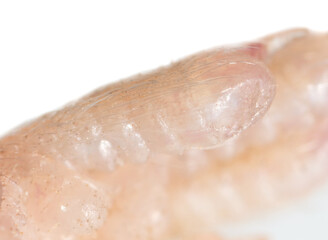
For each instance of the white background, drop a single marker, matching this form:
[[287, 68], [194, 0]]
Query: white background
[[52, 52]]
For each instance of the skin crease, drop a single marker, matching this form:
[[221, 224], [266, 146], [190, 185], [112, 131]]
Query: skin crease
[[215, 138]]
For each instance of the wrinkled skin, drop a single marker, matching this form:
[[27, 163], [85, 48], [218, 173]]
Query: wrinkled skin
[[215, 138]]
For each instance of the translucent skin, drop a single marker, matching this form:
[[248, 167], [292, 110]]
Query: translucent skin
[[176, 152]]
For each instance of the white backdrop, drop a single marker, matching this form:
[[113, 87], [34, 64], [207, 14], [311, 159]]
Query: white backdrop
[[52, 52]]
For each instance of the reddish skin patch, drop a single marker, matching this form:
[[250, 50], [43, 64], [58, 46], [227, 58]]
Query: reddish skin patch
[[257, 50]]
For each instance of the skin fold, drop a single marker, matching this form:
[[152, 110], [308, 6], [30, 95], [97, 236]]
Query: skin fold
[[216, 138]]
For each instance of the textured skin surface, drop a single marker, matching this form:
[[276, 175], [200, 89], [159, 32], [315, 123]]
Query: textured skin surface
[[171, 154]]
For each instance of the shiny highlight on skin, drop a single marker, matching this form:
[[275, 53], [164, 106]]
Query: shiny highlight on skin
[[171, 154]]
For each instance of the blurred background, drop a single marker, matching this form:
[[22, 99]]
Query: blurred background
[[52, 52]]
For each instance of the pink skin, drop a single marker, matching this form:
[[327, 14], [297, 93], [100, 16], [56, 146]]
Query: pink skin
[[173, 153]]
